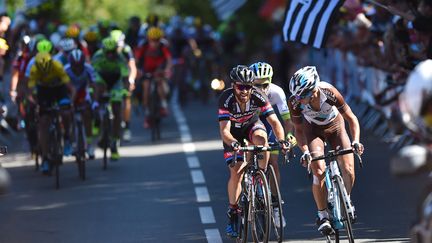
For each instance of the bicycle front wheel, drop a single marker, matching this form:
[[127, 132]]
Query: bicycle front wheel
[[276, 203], [106, 137], [80, 153], [243, 224], [346, 219], [260, 214]]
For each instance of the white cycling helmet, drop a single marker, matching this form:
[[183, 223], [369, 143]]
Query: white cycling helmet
[[304, 80], [262, 70], [416, 98], [67, 44], [242, 74]]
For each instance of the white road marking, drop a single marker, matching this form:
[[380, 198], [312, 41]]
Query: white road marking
[[213, 236], [197, 177], [207, 216], [193, 162], [202, 194], [189, 148]]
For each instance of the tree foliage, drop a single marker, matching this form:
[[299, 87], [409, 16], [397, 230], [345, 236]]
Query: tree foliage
[[88, 12]]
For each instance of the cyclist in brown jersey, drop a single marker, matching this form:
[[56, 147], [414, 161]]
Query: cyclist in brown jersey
[[319, 112]]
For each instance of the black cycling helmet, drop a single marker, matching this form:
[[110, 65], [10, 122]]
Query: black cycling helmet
[[242, 74]]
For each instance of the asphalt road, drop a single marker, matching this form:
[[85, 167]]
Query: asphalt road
[[175, 191]]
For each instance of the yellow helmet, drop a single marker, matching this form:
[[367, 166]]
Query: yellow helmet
[[43, 61], [154, 33], [72, 32], [91, 36]]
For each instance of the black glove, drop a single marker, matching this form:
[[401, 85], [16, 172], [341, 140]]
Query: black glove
[[235, 145]]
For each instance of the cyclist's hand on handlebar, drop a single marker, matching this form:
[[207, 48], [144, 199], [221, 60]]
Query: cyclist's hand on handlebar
[[235, 145], [291, 139], [305, 159], [284, 146], [358, 147]]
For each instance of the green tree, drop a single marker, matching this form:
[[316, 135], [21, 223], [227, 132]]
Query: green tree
[[88, 12]]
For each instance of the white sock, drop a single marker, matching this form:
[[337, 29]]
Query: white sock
[[323, 214]]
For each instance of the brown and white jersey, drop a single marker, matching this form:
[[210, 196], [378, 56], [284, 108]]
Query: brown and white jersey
[[331, 103]]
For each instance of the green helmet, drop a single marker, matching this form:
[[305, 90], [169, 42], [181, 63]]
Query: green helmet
[[44, 46], [117, 35], [109, 44]]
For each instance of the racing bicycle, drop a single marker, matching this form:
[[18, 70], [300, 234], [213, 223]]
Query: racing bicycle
[[342, 212]]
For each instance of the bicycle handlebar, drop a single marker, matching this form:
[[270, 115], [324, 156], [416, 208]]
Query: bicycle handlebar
[[261, 148], [334, 153]]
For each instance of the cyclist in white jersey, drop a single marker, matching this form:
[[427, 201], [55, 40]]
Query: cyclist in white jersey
[[263, 80], [319, 113]]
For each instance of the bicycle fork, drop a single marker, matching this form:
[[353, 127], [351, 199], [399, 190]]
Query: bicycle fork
[[333, 197]]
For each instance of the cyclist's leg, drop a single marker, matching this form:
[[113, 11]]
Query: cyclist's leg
[[116, 105], [117, 110], [44, 99], [163, 92], [338, 136], [67, 117], [257, 135], [127, 114], [146, 90], [274, 155], [44, 120], [316, 147], [315, 142], [234, 185]]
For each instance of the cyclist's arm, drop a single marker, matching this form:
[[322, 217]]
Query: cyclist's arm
[[224, 129], [297, 121], [300, 137], [276, 126], [353, 123], [348, 115], [14, 82], [31, 84], [278, 95], [168, 58], [132, 65]]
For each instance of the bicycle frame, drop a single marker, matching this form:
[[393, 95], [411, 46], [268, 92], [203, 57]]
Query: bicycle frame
[[107, 117], [80, 140], [331, 174], [248, 197], [336, 199]]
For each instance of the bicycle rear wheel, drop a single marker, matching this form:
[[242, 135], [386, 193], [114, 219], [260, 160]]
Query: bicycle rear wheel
[[154, 111], [277, 203], [261, 213], [106, 126], [346, 219], [80, 153], [56, 153]]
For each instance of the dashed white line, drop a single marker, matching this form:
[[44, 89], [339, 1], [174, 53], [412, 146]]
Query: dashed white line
[[193, 162], [197, 177], [213, 236], [202, 194], [207, 216]]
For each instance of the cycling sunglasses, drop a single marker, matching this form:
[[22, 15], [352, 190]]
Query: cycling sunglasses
[[304, 95], [262, 86], [242, 87]]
